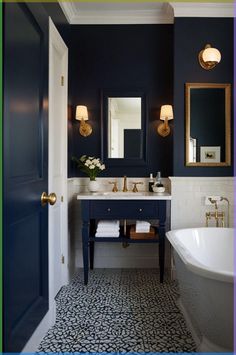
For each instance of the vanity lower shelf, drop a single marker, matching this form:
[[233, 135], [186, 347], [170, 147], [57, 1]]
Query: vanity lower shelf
[[126, 238], [123, 239]]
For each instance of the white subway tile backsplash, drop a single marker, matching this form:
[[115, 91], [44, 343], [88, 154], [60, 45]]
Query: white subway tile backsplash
[[188, 199], [187, 210]]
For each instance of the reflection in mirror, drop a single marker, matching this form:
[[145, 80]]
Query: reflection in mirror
[[207, 124], [124, 127]]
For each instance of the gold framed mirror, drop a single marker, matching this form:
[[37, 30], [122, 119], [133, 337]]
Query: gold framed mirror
[[208, 121]]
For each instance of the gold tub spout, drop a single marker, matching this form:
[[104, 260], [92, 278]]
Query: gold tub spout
[[218, 216]]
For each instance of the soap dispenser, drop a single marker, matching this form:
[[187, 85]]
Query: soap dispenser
[[158, 187], [150, 183], [158, 180]]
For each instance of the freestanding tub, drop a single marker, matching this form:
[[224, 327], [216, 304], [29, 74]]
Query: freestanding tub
[[205, 271]]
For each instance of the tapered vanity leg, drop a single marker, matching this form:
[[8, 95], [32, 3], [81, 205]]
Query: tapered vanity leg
[[161, 230], [91, 254], [162, 256], [91, 244], [85, 238]]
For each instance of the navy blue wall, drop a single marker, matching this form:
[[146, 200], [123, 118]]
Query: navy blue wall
[[54, 10], [122, 57], [190, 36]]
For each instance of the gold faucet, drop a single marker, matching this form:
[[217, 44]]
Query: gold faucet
[[218, 215], [135, 189], [115, 188], [125, 189]]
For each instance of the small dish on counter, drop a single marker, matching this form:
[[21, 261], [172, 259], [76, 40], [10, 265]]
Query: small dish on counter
[[158, 189]]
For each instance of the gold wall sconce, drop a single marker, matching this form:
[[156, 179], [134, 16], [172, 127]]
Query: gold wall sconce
[[209, 57], [81, 115], [166, 114]]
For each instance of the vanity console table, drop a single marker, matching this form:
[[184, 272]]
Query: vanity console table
[[145, 207]]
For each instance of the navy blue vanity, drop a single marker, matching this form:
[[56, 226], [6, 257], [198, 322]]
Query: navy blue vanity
[[115, 207]]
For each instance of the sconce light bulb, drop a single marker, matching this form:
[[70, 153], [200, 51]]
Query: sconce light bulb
[[81, 115], [209, 57]]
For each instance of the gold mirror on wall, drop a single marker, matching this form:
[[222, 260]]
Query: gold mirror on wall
[[208, 117]]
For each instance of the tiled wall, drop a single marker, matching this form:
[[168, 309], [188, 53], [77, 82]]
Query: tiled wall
[[188, 207], [107, 255], [187, 210], [188, 199]]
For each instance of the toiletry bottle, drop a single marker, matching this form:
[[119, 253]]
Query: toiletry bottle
[[158, 180], [150, 183]]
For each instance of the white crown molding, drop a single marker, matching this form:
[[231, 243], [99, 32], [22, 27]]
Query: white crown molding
[[74, 15], [124, 17], [198, 9], [161, 15], [68, 10]]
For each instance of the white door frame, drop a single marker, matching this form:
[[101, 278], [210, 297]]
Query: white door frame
[[56, 41], [49, 319]]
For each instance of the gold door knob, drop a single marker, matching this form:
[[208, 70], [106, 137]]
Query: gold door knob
[[51, 199]]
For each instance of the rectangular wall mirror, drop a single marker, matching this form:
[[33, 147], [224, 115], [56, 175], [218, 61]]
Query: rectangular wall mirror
[[208, 120], [124, 128]]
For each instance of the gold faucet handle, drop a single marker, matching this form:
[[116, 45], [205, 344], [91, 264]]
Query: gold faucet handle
[[135, 189], [214, 202], [114, 183]]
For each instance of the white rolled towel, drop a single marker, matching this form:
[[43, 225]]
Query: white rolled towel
[[143, 223], [142, 227], [108, 230], [108, 224], [107, 235]]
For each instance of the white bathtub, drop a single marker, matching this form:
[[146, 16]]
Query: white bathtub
[[205, 271]]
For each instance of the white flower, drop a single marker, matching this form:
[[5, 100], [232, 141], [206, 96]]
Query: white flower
[[91, 158], [98, 165], [88, 162], [91, 166], [102, 167], [94, 161]]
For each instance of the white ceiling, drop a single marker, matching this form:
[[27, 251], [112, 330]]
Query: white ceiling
[[141, 12]]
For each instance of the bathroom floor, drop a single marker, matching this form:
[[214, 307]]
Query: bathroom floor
[[121, 310]]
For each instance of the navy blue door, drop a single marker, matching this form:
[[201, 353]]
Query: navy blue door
[[25, 171]]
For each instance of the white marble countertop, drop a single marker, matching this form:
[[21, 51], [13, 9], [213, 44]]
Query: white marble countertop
[[123, 196]]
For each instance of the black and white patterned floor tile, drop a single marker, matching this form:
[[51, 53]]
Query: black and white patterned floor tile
[[121, 310]]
